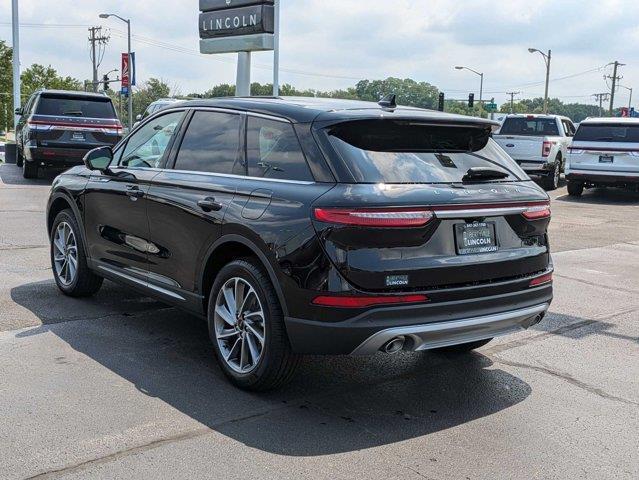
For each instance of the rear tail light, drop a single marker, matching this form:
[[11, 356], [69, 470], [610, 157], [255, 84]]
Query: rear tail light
[[535, 282], [366, 301], [546, 148], [535, 212], [384, 218]]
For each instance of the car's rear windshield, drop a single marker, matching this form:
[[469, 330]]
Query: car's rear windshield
[[385, 151], [593, 132], [75, 107], [534, 127]]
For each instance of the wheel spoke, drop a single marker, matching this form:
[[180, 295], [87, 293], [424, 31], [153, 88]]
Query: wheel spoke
[[254, 351], [72, 267], [59, 244], [230, 300], [243, 353], [228, 334], [246, 298], [256, 334], [223, 312], [232, 349]]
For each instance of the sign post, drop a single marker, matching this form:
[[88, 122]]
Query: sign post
[[242, 26]]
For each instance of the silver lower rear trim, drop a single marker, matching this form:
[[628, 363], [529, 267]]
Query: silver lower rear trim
[[455, 332]]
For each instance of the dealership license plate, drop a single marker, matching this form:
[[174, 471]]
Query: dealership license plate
[[478, 237], [606, 159], [78, 136]]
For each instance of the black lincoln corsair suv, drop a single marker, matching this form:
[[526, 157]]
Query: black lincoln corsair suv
[[58, 127], [306, 226]]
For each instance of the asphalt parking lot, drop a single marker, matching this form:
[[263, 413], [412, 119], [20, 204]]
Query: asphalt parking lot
[[121, 386]]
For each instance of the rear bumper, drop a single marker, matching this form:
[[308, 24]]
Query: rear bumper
[[56, 157], [425, 326], [443, 334], [603, 178], [536, 167]]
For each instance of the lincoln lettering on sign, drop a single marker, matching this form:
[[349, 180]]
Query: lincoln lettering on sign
[[237, 21]]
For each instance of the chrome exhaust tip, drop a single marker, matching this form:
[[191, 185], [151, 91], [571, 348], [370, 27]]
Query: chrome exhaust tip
[[394, 345]]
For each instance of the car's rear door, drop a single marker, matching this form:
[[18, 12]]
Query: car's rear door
[[115, 202], [187, 203]]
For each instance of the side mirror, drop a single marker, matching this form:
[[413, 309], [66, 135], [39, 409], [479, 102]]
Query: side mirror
[[99, 159], [19, 111], [138, 117]]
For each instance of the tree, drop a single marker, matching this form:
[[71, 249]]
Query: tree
[[575, 111], [39, 76], [6, 86], [408, 91]]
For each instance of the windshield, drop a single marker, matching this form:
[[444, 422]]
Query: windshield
[[529, 126], [76, 107], [607, 133], [419, 154]]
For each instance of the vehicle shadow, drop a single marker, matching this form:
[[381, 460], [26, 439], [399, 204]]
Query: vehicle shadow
[[11, 174], [333, 405], [603, 196]]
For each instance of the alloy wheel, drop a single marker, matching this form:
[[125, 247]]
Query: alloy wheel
[[239, 325], [65, 253]]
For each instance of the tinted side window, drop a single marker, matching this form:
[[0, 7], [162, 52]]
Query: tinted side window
[[211, 144], [146, 147], [273, 151]]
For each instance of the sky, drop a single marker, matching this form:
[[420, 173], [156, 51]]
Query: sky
[[330, 44]]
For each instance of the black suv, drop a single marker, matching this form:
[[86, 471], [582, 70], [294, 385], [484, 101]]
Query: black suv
[[308, 226], [57, 128]]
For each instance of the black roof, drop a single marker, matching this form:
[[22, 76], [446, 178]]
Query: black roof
[[308, 109], [73, 93]]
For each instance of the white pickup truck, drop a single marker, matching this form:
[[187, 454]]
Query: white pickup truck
[[538, 143]]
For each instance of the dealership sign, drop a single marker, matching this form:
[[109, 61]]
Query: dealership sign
[[236, 25]]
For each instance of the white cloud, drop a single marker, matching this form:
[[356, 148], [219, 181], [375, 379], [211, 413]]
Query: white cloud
[[330, 39]]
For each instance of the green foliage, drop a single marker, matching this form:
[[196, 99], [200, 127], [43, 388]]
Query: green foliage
[[39, 76], [408, 91], [575, 111], [6, 87]]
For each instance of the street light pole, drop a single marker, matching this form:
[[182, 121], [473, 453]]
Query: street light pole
[[16, 60], [276, 51], [128, 27], [481, 82], [630, 98], [547, 58]]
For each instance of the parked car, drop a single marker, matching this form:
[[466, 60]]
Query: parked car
[[2, 151], [57, 127], [156, 107], [538, 143], [310, 226], [604, 153]]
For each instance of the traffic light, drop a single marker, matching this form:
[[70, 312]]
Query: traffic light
[[105, 80], [471, 100], [441, 102]]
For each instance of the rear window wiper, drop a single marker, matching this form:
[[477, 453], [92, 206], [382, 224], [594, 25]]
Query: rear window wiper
[[484, 173]]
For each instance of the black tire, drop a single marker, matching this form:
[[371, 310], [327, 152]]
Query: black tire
[[575, 189], [277, 363], [29, 169], [551, 181], [85, 283], [19, 157], [464, 347]]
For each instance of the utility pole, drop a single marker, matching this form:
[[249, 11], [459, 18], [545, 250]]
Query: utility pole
[[512, 100], [615, 78], [98, 42], [601, 97]]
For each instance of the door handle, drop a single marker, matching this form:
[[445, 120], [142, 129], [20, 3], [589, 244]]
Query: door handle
[[209, 205], [134, 192]]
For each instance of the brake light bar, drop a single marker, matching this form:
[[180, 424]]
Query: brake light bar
[[542, 280], [546, 148], [368, 217], [366, 301], [536, 212]]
